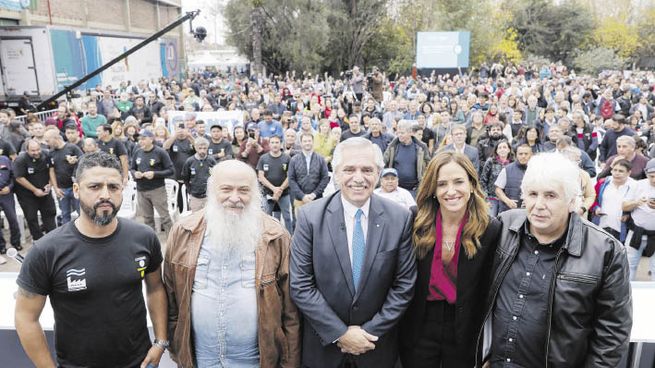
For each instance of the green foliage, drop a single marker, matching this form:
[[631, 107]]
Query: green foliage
[[294, 33], [552, 31], [598, 59], [645, 51], [616, 34]]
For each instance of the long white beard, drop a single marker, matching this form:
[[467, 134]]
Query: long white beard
[[235, 233]]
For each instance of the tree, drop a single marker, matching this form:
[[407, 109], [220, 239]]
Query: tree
[[617, 35], [598, 59], [294, 33], [552, 31], [645, 53]]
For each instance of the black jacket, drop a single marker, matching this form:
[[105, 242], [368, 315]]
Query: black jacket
[[590, 307], [473, 281]]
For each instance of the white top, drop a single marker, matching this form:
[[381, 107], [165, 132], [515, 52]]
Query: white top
[[349, 212], [643, 216], [612, 204], [501, 180], [401, 196]]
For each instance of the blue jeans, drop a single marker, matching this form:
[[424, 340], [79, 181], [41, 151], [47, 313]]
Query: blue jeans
[[493, 206], [67, 204], [634, 256], [285, 208]]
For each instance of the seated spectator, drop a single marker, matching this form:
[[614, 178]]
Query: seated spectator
[[389, 189]]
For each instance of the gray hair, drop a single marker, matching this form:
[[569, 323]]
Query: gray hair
[[405, 125], [361, 144], [217, 171], [200, 141], [627, 139], [555, 168]]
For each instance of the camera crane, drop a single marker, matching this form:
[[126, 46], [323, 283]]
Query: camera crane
[[199, 34]]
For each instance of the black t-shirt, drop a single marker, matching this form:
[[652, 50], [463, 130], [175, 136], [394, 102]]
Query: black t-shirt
[[427, 135], [179, 152], [36, 171], [348, 134], [215, 148], [6, 149], [155, 160], [195, 174], [113, 147], [95, 287], [275, 170], [63, 170]]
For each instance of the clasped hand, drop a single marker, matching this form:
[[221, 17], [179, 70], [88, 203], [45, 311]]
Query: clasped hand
[[356, 341]]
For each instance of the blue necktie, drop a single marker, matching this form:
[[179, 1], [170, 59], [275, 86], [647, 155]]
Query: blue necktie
[[359, 248]]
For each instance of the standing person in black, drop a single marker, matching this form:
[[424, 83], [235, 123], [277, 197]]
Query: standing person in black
[[63, 162], [93, 271], [219, 147], [454, 241], [108, 144], [195, 174], [272, 172], [8, 205], [150, 167], [32, 171], [180, 148], [6, 149]]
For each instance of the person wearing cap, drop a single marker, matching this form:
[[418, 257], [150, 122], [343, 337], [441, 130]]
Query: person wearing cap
[[219, 147], [389, 189], [640, 239], [180, 147], [150, 165]]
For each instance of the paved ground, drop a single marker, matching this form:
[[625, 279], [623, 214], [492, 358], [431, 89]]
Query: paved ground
[[12, 266]]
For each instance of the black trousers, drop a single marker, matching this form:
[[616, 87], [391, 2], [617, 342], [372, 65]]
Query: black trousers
[[8, 206], [31, 206], [436, 346]]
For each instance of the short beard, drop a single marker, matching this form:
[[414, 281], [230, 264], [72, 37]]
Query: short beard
[[100, 220], [232, 232]]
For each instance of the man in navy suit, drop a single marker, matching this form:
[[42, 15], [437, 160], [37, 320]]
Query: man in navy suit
[[458, 144], [352, 266]]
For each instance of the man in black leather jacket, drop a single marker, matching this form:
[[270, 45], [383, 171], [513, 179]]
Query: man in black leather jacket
[[560, 295]]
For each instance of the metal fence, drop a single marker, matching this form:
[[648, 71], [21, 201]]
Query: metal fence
[[42, 115]]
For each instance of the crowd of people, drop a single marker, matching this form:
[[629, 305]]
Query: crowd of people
[[490, 185]]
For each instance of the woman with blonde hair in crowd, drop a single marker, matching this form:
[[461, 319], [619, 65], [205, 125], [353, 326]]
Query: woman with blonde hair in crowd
[[161, 134], [454, 240], [323, 142]]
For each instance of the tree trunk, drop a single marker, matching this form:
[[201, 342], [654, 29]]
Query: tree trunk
[[256, 21]]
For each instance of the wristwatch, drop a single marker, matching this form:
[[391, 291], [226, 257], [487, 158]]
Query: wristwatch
[[164, 344]]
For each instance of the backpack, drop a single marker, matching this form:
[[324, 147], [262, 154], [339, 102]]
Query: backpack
[[606, 109]]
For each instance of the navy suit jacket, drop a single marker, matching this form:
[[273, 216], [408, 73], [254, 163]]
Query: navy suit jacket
[[322, 283]]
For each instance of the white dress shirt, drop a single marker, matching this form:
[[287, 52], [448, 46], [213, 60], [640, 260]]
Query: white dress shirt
[[349, 211]]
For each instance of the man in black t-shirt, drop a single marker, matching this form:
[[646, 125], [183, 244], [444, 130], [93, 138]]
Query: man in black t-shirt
[[92, 269], [219, 147], [272, 174], [179, 147], [108, 144], [195, 174], [32, 172], [63, 162], [150, 167]]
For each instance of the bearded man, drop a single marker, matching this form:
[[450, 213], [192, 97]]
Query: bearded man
[[93, 270], [227, 278]]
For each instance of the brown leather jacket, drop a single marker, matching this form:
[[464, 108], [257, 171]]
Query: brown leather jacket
[[279, 323]]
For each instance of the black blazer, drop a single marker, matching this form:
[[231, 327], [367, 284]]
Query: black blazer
[[473, 283]]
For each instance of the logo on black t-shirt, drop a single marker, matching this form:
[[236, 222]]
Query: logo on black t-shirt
[[152, 162], [141, 265], [111, 150], [76, 285]]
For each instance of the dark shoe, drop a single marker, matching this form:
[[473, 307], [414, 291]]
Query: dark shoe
[[18, 247], [3, 250]]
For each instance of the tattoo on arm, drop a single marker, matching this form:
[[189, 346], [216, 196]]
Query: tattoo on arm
[[26, 294]]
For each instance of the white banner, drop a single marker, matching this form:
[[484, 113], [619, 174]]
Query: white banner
[[143, 64], [226, 119]]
